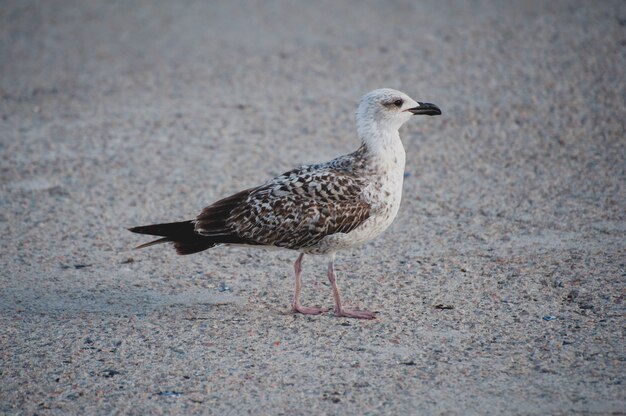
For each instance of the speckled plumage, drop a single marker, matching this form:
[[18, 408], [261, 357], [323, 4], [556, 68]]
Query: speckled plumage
[[297, 209], [314, 209]]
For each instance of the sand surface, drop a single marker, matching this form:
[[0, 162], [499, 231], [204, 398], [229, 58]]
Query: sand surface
[[500, 286]]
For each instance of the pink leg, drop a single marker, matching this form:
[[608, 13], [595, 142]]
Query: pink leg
[[339, 311], [295, 305]]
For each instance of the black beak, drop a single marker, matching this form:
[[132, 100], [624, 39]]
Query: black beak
[[426, 109]]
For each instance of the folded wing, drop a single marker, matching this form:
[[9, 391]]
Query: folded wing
[[295, 210]]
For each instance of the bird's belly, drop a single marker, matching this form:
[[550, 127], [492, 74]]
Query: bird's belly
[[382, 217], [367, 231]]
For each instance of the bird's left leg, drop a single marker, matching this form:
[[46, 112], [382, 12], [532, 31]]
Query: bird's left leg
[[295, 304], [339, 310]]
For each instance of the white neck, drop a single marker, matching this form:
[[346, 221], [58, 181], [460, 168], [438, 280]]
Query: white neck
[[382, 143]]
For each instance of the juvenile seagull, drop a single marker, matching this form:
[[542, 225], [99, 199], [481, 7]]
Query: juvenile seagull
[[314, 209]]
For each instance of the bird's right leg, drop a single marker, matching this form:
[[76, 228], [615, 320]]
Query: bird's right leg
[[295, 304], [339, 310]]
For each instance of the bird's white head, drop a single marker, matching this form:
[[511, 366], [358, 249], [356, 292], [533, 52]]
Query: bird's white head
[[385, 110]]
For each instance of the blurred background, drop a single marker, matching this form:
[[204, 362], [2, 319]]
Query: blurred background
[[116, 114]]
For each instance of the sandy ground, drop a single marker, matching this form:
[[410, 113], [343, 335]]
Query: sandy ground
[[513, 218]]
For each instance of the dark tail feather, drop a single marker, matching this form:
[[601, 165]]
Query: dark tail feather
[[168, 230], [188, 247], [151, 243], [182, 234]]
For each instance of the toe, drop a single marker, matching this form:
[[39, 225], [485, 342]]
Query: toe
[[306, 310]]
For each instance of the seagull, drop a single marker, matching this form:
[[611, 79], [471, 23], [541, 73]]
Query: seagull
[[315, 209]]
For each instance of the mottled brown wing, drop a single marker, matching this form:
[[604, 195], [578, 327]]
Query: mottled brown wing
[[298, 209]]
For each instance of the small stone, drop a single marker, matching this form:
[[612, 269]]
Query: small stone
[[109, 373], [573, 294]]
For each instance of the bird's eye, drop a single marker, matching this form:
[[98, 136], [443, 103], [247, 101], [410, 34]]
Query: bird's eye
[[398, 103]]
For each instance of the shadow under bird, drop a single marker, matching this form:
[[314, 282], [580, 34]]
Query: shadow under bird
[[314, 209]]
